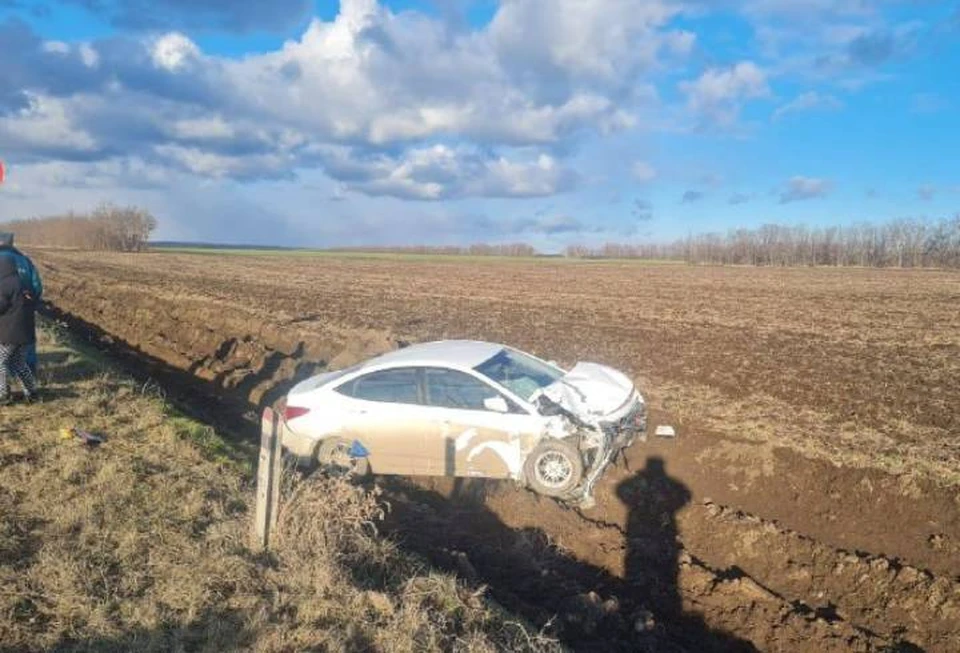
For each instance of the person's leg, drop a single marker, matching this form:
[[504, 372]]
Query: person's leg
[[32, 358], [5, 352], [19, 367]]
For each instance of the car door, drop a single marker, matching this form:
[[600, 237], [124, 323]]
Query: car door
[[386, 414], [474, 440]]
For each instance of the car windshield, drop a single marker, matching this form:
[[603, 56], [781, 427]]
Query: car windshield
[[521, 374]]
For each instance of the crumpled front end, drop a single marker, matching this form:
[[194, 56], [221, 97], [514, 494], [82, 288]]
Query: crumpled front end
[[592, 391], [627, 425], [630, 423], [605, 410]]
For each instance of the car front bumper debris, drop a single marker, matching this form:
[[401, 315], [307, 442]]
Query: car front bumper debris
[[617, 436]]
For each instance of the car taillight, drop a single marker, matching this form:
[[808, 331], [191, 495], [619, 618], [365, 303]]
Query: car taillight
[[293, 412]]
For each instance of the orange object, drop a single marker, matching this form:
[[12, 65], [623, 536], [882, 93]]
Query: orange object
[[84, 436]]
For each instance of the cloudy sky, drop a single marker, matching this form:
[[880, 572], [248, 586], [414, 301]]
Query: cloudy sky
[[453, 121]]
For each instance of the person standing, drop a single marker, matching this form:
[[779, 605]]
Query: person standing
[[17, 331], [30, 281]]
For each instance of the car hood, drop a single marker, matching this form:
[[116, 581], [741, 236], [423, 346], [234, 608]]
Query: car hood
[[591, 390]]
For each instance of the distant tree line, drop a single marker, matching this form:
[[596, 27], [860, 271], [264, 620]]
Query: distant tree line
[[903, 243], [477, 249], [108, 227]]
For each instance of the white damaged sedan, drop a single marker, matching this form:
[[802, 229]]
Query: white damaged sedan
[[469, 409]]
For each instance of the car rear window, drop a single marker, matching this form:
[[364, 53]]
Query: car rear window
[[397, 386]]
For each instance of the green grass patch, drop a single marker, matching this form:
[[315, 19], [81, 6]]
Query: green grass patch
[[205, 437], [78, 359]]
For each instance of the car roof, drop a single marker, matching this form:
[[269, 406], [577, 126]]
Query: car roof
[[446, 353]]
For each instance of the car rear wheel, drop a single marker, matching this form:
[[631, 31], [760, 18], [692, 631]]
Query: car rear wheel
[[333, 456], [554, 468]]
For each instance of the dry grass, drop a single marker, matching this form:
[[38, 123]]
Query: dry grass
[[141, 544], [364, 590]]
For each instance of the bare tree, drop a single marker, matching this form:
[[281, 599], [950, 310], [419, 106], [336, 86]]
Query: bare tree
[[108, 227], [899, 243]]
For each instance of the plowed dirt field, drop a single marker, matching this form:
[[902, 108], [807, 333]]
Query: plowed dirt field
[[809, 503]]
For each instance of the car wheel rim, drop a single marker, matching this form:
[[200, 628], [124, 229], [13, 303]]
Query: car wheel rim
[[553, 469], [340, 458]]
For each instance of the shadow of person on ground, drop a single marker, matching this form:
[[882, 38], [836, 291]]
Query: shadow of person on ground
[[652, 557], [584, 605], [652, 560]]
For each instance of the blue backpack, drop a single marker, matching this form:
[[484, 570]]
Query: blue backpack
[[27, 271]]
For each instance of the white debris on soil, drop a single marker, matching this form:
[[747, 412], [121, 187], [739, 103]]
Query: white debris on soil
[[666, 431]]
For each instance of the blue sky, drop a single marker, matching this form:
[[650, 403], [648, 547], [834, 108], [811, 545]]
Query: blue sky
[[454, 121]]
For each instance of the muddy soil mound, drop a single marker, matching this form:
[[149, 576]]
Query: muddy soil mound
[[241, 350]]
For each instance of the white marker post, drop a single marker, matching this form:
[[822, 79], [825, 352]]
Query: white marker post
[[268, 479]]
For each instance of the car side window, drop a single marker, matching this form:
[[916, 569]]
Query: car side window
[[452, 389], [398, 386]]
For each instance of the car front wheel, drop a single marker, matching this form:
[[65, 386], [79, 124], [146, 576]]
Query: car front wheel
[[554, 468]]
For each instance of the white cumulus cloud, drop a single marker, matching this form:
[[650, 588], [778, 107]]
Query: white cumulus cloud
[[172, 51], [719, 93], [444, 172]]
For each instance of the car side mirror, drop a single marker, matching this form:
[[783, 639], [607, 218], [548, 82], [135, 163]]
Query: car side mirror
[[497, 404]]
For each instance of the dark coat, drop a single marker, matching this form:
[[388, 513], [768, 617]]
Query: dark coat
[[17, 322]]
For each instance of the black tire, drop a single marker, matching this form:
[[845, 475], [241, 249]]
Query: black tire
[[334, 458], [554, 468]]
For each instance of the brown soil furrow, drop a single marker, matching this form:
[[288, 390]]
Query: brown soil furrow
[[873, 592], [878, 383], [681, 602], [641, 550]]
